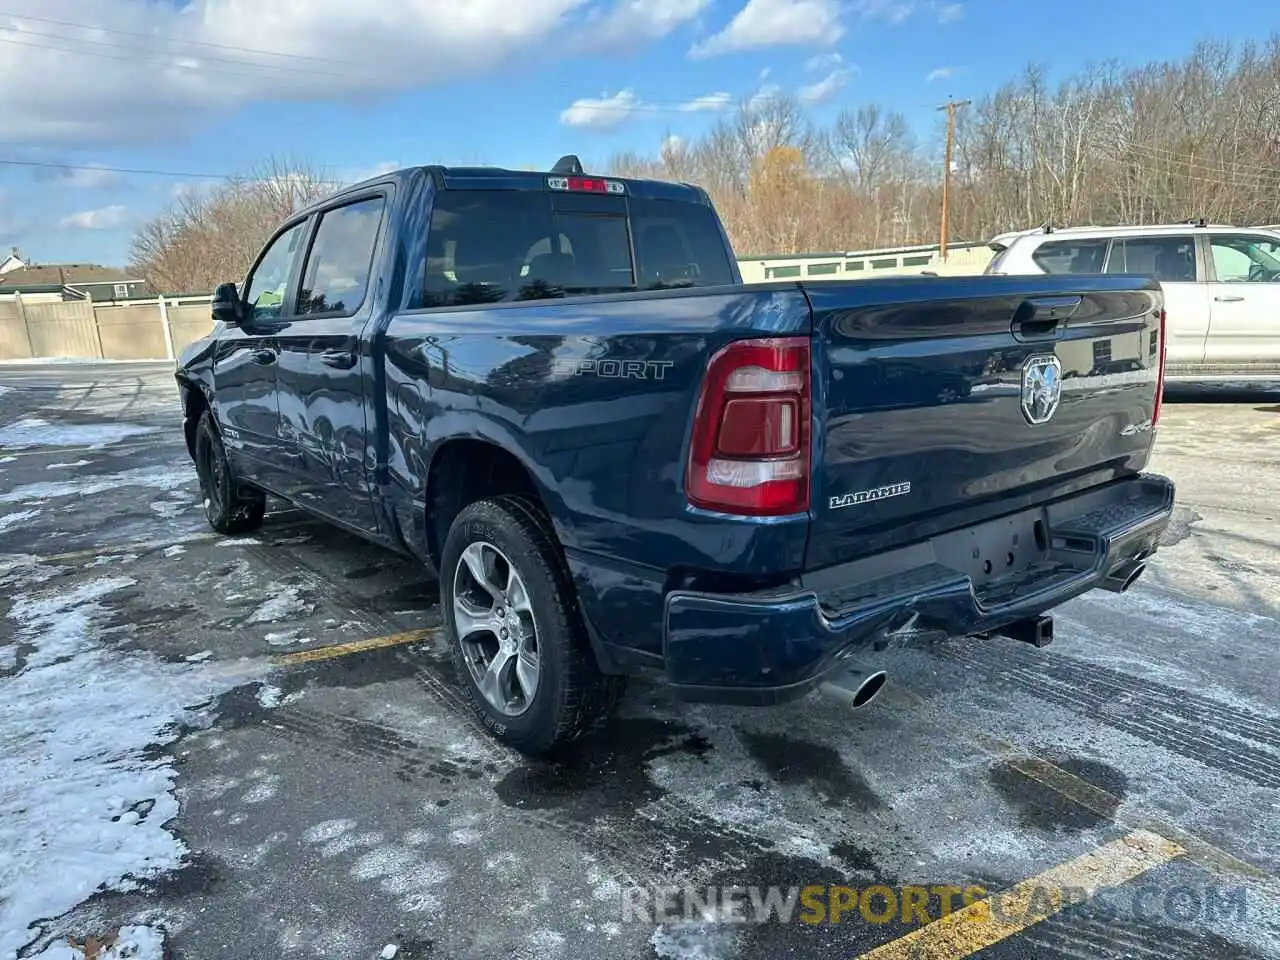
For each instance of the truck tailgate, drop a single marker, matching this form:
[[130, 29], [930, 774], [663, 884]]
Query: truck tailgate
[[933, 398]]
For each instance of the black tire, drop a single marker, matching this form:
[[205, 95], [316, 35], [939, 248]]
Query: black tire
[[572, 695], [229, 505]]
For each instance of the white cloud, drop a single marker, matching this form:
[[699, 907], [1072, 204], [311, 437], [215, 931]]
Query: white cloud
[[761, 98], [950, 12], [133, 69], [823, 61], [892, 12], [826, 88], [632, 22], [765, 74], [941, 73], [767, 23], [602, 112], [708, 103], [607, 111], [104, 218], [90, 175]]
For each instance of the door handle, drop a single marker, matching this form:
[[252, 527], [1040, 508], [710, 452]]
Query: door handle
[[1230, 299], [339, 359], [1039, 316], [263, 356]]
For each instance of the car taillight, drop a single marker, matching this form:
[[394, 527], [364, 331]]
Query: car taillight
[[1155, 414], [750, 448]]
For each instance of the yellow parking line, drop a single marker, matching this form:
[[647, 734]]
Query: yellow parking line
[[1200, 852], [987, 922], [355, 646], [1107, 805]]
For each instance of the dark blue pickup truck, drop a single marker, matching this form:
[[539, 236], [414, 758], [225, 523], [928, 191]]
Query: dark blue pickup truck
[[556, 392]]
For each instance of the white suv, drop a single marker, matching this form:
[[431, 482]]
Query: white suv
[[1221, 286]]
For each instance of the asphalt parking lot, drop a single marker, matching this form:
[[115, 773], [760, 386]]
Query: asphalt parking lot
[[254, 747]]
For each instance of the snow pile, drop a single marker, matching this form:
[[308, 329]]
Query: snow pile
[[33, 432], [81, 804], [132, 943]]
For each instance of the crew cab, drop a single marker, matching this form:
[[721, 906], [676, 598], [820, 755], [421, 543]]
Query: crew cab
[[555, 392], [1221, 286]]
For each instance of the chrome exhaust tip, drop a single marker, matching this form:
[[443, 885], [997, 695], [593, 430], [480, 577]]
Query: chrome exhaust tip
[[857, 688], [1125, 576]]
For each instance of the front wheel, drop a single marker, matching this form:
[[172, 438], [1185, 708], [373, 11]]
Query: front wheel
[[512, 622], [229, 506]]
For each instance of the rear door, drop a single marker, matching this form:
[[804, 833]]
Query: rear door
[[1244, 291], [1171, 259], [246, 363], [325, 372], [937, 396]]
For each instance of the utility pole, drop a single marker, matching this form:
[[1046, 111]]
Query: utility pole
[[950, 106]]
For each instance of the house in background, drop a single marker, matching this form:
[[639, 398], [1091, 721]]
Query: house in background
[[68, 281], [13, 261]]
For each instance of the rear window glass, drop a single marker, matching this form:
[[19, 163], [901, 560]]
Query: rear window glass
[[490, 246], [1167, 259], [1071, 256]]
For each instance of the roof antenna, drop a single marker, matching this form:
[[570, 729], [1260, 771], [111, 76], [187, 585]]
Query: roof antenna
[[568, 166]]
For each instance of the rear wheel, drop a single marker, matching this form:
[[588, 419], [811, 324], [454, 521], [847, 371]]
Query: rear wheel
[[229, 506], [518, 642]]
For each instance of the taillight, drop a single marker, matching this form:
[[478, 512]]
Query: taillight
[[1155, 414], [750, 449]]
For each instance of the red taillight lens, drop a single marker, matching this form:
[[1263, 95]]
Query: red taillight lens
[[750, 448], [590, 184], [1155, 414]]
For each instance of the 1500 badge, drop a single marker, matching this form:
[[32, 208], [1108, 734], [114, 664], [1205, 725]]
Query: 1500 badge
[[870, 496]]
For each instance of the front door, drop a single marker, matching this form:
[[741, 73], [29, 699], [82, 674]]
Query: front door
[[245, 364], [326, 372], [1244, 291], [1172, 261]]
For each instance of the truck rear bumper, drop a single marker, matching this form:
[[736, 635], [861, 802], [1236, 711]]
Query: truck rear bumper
[[774, 646]]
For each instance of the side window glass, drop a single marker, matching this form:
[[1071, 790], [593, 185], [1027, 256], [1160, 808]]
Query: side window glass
[[336, 277], [1071, 256], [1167, 259], [268, 287], [1244, 260]]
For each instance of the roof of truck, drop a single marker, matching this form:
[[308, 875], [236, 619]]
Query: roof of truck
[[500, 178]]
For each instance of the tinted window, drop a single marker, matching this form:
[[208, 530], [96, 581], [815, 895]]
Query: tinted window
[[336, 277], [491, 246], [1071, 256], [1168, 259], [268, 287], [1238, 259]]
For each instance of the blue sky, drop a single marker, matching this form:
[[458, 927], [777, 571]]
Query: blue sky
[[217, 86]]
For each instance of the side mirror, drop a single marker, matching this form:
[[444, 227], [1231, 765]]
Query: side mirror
[[227, 306]]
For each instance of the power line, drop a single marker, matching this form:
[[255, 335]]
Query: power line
[[173, 39]]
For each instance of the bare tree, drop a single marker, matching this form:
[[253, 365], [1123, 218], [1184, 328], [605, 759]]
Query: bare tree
[[210, 236], [1165, 142]]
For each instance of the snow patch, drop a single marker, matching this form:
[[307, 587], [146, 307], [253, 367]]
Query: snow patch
[[82, 798], [284, 638], [235, 541], [68, 466], [33, 432], [200, 657], [286, 603], [328, 830], [176, 550], [13, 519], [132, 943], [168, 509], [159, 478]]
